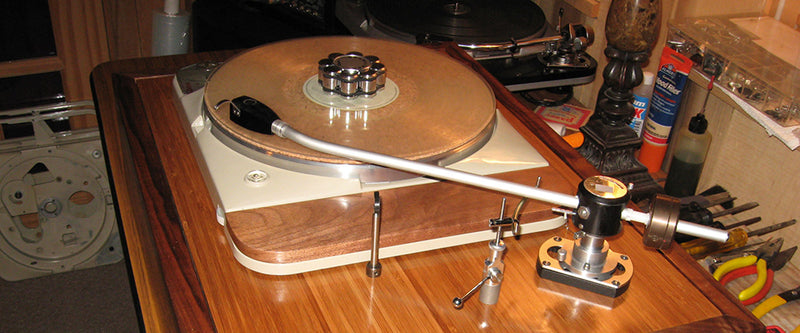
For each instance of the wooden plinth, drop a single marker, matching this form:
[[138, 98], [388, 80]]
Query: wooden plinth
[[187, 279]]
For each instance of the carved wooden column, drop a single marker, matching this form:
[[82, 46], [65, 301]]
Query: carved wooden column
[[632, 28]]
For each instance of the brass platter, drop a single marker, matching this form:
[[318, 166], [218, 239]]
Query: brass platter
[[441, 109]]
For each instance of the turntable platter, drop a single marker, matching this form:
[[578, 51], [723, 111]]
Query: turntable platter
[[464, 21], [441, 108]]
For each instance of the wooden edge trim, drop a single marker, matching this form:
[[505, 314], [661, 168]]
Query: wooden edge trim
[[148, 288], [176, 262]]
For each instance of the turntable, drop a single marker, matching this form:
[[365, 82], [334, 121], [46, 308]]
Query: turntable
[[380, 117], [56, 211], [511, 39], [288, 209]]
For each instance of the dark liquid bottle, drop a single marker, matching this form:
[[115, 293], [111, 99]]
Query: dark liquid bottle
[[683, 178], [688, 158]]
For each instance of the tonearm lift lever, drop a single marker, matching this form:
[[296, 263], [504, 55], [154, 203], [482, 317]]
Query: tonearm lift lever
[[493, 266]]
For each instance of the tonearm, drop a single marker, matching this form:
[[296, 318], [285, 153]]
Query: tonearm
[[597, 211]]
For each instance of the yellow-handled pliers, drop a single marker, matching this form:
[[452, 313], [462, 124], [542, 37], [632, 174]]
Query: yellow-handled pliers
[[776, 301], [762, 258]]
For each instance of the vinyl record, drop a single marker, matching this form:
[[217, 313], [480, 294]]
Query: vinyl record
[[464, 21]]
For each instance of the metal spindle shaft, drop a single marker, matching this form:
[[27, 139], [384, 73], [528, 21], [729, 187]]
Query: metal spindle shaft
[[374, 266], [499, 236]]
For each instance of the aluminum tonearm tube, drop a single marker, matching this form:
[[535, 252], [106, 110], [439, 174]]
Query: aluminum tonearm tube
[[283, 130], [599, 205]]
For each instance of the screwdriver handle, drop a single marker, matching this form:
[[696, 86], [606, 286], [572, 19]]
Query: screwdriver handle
[[767, 306], [700, 248]]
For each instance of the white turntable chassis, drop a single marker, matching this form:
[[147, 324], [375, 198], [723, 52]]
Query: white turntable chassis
[[68, 234], [232, 190]]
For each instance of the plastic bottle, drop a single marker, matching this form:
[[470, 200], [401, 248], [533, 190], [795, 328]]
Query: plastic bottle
[[641, 100], [673, 73], [688, 158]]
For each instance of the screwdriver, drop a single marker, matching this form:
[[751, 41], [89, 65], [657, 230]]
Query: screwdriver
[[709, 200], [742, 223], [701, 248], [680, 238], [697, 214]]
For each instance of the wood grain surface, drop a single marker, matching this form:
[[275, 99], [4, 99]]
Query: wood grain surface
[[187, 279]]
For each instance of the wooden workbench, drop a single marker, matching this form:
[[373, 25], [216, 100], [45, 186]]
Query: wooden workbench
[[187, 279]]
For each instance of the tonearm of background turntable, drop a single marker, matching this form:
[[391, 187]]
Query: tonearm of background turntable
[[511, 39], [561, 50]]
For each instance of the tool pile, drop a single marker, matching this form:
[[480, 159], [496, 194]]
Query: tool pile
[[745, 254]]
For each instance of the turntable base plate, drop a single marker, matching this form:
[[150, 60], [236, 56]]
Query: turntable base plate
[[318, 234]]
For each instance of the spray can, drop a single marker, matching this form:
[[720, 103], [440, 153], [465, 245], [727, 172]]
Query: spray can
[[691, 147], [673, 73], [641, 101]]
